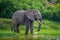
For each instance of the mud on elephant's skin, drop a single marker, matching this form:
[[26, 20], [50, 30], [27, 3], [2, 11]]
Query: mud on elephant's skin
[[26, 17]]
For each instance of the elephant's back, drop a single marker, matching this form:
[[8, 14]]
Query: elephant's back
[[18, 16]]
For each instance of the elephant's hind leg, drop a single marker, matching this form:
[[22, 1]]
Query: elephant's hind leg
[[16, 29]]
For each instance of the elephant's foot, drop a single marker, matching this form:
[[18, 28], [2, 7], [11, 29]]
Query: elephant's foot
[[26, 33], [32, 32], [16, 31], [38, 30]]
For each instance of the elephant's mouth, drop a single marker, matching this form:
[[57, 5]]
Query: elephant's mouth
[[35, 19]]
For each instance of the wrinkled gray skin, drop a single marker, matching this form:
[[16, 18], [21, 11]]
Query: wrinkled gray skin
[[26, 17]]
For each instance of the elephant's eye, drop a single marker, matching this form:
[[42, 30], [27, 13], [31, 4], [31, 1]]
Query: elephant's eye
[[35, 16]]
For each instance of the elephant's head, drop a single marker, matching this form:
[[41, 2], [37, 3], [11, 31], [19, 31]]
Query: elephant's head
[[34, 15]]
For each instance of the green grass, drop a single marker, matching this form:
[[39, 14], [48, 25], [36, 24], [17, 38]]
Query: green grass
[[49, 28]]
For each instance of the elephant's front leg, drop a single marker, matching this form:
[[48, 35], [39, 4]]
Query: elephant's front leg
[[31, 27], [27, 27]]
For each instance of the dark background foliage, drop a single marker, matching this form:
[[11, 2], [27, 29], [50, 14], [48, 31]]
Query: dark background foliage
[[49, 9]]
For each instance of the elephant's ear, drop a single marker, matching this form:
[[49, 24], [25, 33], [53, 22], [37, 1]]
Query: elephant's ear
[[29, 15]]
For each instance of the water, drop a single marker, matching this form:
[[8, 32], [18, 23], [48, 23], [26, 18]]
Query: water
[[54, 39], [30, 37]]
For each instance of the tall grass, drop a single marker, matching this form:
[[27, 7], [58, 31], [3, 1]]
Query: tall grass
[[49, 31], [48, 28]]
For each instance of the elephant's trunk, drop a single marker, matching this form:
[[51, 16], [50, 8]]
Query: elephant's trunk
[[39, 26]]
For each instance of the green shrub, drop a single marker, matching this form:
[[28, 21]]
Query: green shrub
[[8, 7], [51, 12]]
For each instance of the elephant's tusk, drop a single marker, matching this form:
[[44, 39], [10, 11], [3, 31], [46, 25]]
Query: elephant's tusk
[[39, 22]]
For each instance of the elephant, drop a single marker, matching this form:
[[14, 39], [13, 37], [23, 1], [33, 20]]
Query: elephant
[[27, 17]]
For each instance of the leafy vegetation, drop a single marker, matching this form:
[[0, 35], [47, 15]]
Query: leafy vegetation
[[49, 30], [49, 11]]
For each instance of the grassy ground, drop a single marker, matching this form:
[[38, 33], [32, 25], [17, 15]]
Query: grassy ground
[[49, 28]]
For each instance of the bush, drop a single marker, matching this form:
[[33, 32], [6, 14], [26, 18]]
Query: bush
[[8, 7], [51, 12]]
